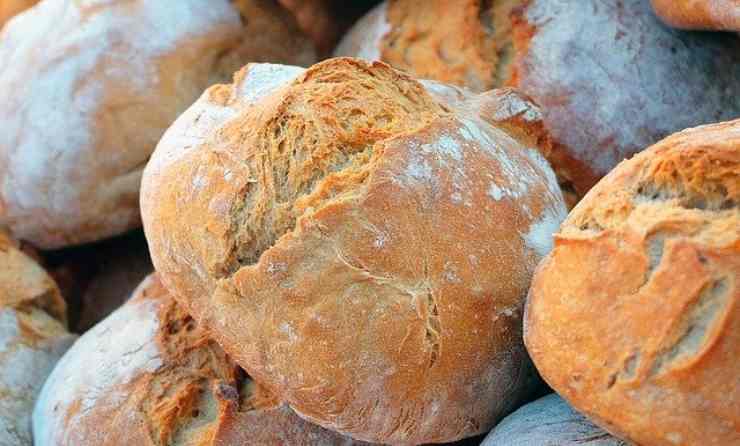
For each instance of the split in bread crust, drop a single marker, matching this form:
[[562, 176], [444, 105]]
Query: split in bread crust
[[635, 315], [359, 241]]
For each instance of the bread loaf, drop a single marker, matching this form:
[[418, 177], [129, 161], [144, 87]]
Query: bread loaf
[[359, 241], [89, 87], [9, 8], [719, 15], [32, 338], [611, 79], [150, 375], [635, 315], [549, 421]]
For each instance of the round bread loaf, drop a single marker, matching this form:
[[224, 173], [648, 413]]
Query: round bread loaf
[[611, 79], [9, 8], [359, 241], [32, 338], [150, 375], [549, 421], [635, 315], [89, 87], [719, 15]]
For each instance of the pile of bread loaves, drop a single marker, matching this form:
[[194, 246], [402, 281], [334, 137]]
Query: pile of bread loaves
[[395, 222]]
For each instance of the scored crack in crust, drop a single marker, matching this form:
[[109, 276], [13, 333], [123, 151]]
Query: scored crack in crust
[[150, 374], [10, 8], [633, 72], [32, 337], [359, 241], [635, 315]]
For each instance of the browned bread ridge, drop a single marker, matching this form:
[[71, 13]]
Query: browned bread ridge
[[32, 338], [359, 241], [88, 88], [9, 8], [610, 78], [635, 315], [149, 374], [718, 15]]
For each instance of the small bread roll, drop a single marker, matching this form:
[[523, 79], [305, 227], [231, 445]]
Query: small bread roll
[[611, 79], [635, 315], [88, 88], [150, 375], [32, 338], [717, 15], [549, 421], [359, 241], [9, 8]]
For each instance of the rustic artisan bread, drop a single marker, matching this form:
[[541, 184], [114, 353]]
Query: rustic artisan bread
[[359, 241], [611, 79], [150, 374], [635, 315], [720, 15], [90, 90], [9, 8], [32, 338], [549, 421]]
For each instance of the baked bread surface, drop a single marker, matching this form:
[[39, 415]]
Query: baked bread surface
[[635, 315], [359, 241]]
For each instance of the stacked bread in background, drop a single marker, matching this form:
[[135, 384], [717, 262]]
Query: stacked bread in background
[[368, 249]]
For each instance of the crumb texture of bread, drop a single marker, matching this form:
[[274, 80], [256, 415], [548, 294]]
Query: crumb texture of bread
[[716, 15], [359, 241], [93, 86], [150, 374], [634, 317], [32, 338], [549, 421]]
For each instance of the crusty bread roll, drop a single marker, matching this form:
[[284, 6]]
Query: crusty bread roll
[[549, 421], [32, 338], [719, 15], [611, 79], [150, 375], [9, 8], [359, 241], [88, 88], [635, 315]]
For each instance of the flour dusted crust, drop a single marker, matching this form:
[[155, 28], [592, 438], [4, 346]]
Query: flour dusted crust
[[719, 15], [635, 315], [610, 78], [9, 8], [88, 88], [32, 338], [549, 421], [359, 241], [150, 374]]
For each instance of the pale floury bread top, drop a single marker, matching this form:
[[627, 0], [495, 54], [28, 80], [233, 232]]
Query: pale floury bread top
[[32, 337], [359, 241], [88, 88], [150, 375], [718, 15], [635, 315]]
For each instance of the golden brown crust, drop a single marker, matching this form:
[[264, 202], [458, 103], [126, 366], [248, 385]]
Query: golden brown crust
[[635, 315], [9, 8], [718, 15], [304, 221], [32, 338], [158, 379], [599, 73]]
